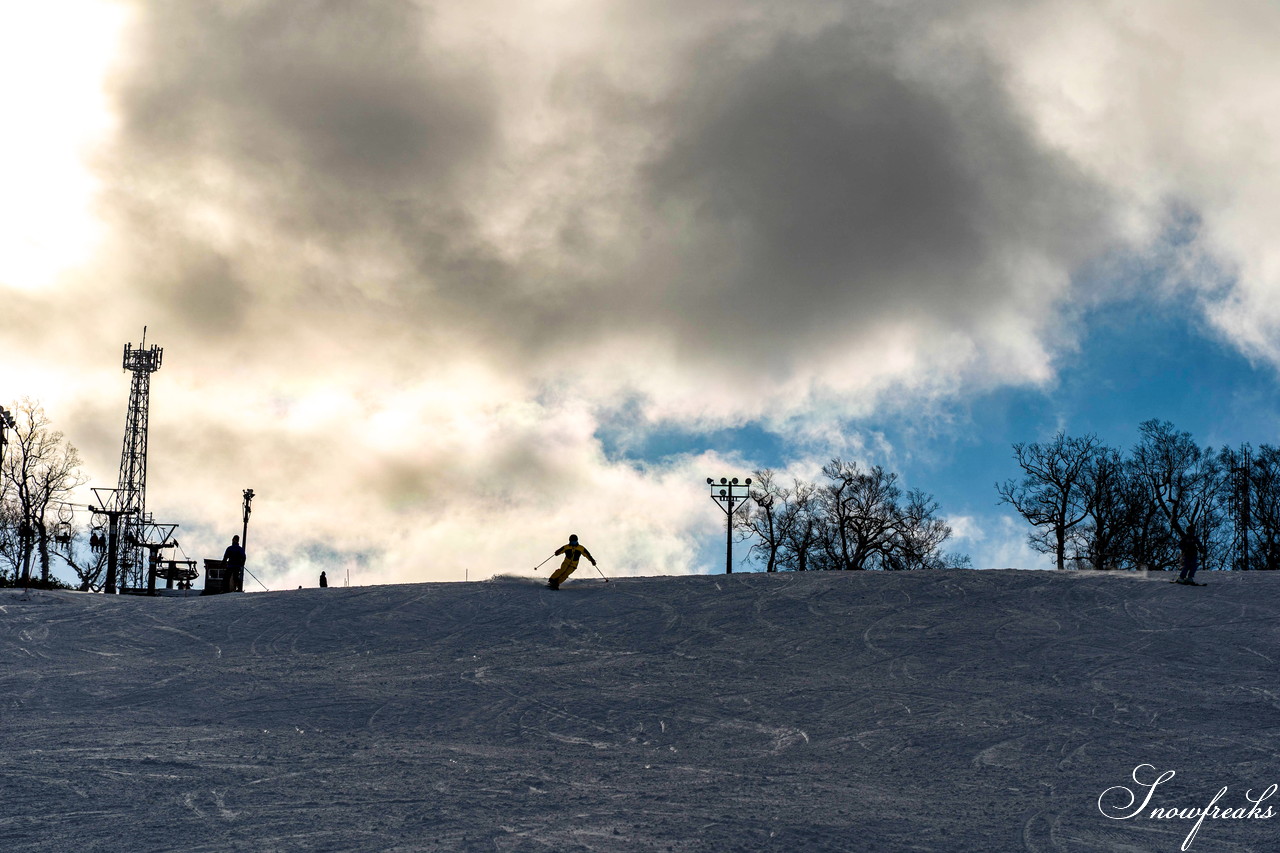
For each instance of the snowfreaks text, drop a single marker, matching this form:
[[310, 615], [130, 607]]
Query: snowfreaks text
[[1130, 808]]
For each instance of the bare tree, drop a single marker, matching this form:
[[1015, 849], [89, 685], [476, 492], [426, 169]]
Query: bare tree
[[801, 527], [1183, 480], [765, 520], [1152, 544], [861, 511], [90, 568], [919, 534], [1051, 493], [1264, 506], [1139, 509], [1111, 503], [855, 520], [10, 541], [41, 469]]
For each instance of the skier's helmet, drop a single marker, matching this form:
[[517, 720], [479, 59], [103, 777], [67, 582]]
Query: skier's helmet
[[573, 539]]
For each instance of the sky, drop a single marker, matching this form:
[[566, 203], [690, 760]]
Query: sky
[[444, 283]]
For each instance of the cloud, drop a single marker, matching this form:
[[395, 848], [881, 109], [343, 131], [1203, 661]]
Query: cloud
[[410, 262], [862, 219], [998, 541], [803, 215], [1168, 105]]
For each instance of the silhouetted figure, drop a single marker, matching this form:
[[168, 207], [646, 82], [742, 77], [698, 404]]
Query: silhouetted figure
[[234, 558], [1190, 552], [324, 581], [572, 553]]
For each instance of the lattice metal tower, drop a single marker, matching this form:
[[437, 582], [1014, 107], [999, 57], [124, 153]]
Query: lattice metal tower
[[131, 491], [1240, 470]]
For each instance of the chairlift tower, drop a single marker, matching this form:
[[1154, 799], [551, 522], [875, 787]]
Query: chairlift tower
[[108, 506], [131, 489], [155, 538]]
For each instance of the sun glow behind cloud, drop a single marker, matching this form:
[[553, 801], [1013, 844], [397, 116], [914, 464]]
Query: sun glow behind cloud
[[53, 62]]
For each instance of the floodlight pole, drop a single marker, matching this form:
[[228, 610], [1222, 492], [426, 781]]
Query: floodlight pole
[[6, 423], [728, 494], [244, 534]]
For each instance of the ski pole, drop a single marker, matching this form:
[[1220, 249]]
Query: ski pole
[[597, 565], [543, 563]]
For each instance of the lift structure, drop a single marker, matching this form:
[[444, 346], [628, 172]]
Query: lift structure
[[131, 530], [131, 488]]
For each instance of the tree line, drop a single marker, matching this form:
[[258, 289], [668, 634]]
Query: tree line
[[1097, 507], [39, 471], [853, 519]]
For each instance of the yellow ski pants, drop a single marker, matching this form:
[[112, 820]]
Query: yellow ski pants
[[566, 568]]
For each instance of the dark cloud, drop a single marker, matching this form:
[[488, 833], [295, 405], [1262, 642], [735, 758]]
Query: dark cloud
[[330, 98], [798, 186], [204, 295], [828, 163], [277, 161], [833, 189]]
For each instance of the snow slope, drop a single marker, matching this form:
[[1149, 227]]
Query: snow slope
[[938, 711]]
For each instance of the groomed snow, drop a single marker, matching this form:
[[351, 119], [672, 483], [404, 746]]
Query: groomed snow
[[936, 711]]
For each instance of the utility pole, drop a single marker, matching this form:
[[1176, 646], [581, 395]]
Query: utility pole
[[6, 423], [24, 539], [728, 494], [244, 534]]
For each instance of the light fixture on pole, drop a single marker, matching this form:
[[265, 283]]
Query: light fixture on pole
[[244, 534], [728, 494], [244, 531], [6, 423]]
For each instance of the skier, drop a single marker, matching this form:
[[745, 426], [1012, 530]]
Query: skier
[[572, 553], [1190, 559], [324, 581]]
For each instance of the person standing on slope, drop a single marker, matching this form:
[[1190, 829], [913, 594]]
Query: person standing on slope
[[234, 558], [572, 553], [1190, 553]]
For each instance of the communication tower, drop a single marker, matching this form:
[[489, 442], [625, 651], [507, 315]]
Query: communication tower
[[1240, 467], [131, 489]]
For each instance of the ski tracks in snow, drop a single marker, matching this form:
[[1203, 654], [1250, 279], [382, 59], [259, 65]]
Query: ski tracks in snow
[[832, 712]]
